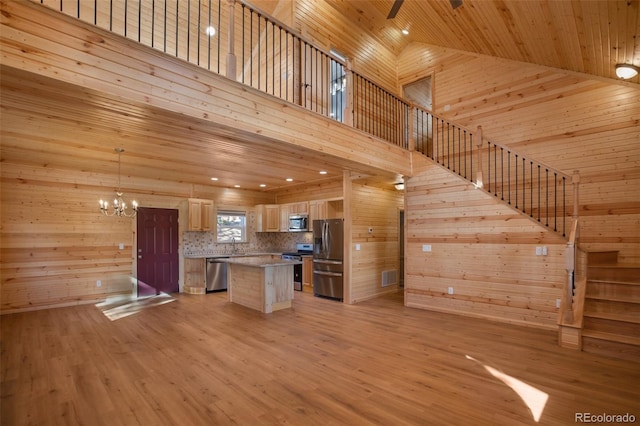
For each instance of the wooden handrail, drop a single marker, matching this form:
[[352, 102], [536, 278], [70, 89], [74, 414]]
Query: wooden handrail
[[298, 72]]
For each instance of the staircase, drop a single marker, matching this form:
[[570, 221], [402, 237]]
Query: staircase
[[611, 322]]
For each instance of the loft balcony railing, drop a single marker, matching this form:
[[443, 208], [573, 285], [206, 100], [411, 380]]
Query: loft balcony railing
[[233, 38]]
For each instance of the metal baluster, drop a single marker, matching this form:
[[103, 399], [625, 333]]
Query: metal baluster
[[547, 195], [516, 183], [531, 188], [495, 169], [509, 175], [539, 193], [502, 173], [524, 188], [177, 25], [555, 201], [220, 38], [489, 166]]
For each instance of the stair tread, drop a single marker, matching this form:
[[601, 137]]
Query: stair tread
[[606, 281], [611, 298], [611, 337], [614, 316]]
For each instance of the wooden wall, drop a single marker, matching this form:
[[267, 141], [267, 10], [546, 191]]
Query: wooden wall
[[56, 244], [480, 248], [567, 120], [377, 208], [484, 250]]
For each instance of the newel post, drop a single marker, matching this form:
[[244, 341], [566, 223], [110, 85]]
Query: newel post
[[575, 181], [479, 182], [231, 56]]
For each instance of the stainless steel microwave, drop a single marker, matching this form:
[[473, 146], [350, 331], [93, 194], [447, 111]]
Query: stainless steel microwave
[[298, 222]]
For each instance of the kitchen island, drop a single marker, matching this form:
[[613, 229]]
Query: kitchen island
[[263, 283]]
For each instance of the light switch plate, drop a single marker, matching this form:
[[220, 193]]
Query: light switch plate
[[426, 247], [357, 247], [121, 246]]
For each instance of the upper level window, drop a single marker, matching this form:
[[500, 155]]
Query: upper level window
[[338, 86], [232, 226], [338, 91]]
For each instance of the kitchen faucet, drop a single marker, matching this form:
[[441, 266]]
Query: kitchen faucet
[[233, 246]]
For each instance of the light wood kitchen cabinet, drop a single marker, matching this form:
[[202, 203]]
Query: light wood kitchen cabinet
[[200, 214], [298, 208], [268, 218], [325, 209], [284, 217], [307, 270], [194, 276], [317, 210], [289, 209]]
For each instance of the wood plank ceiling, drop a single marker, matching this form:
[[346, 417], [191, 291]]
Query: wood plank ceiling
[[587, 36], [83, 127]]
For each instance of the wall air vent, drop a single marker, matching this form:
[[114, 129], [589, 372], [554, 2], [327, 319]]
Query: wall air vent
[[389, 278]]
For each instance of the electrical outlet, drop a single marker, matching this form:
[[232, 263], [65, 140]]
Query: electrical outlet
[[538, 251], [544, 250], [557, 303], [99, 283], [450, 290], [426, 247], [121, 246], [357, 247]]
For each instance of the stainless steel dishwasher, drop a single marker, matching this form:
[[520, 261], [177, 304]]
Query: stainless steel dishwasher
[[216, 274]]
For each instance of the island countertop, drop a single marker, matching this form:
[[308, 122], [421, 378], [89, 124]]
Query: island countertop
[[259, 261]]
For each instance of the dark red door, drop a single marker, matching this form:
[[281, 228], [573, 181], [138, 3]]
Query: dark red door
[[157, 251]]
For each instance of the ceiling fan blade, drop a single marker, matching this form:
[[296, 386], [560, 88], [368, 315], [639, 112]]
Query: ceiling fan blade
[[394, 9], [455, 3]]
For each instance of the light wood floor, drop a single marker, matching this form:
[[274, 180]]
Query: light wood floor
[[202, 361]]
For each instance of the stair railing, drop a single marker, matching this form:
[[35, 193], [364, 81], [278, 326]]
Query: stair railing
[[528, 185], [276, 60]]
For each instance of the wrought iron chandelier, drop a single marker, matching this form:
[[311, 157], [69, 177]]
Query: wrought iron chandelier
[[119, 206]]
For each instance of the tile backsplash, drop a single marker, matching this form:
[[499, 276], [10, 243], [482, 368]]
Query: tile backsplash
[[204, 243]]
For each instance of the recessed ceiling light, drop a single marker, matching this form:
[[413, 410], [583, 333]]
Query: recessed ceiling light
[[214, 178], [405, 31], [210, 31], [262, 185], [236, 186], [289, 179], [323, 172]]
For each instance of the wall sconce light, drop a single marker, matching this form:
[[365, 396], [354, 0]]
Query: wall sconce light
[[399, 186], [626, 71], [478, 183]]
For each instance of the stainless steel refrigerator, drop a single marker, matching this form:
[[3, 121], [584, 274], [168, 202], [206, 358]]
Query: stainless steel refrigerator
[[328, 254]]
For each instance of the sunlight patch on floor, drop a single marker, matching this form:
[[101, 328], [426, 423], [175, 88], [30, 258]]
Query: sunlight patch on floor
[[122, 306], [534, 398]]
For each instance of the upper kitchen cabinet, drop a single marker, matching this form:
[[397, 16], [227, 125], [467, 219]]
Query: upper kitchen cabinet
[[291, 209], [325, 209], [317, 210], [200, 214], [298, 208], [268, 218]]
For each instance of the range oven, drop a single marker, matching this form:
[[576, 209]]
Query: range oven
[[303, 249]]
